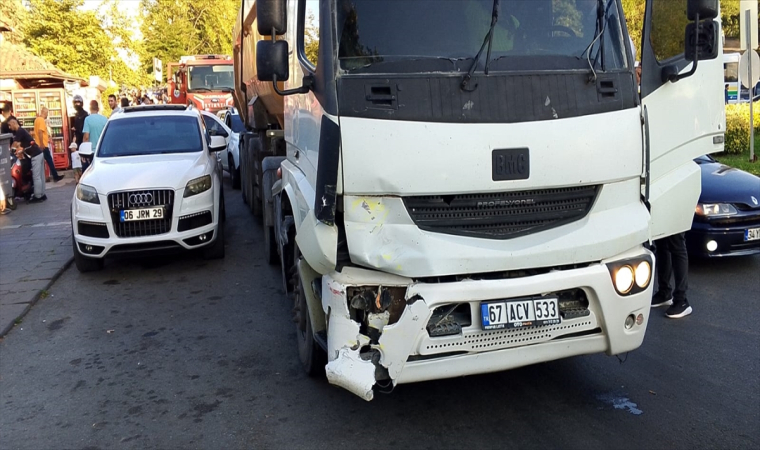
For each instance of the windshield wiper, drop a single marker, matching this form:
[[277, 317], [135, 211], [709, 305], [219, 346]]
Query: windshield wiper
[[226, 89], [200, 89], [602, 19], [488, 40]]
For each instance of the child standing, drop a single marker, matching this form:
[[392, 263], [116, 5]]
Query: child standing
[[76, 161]]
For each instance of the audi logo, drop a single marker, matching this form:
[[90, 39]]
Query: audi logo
[[141, 199]]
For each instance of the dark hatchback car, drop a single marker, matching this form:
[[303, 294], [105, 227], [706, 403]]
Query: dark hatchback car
[[727, 217]]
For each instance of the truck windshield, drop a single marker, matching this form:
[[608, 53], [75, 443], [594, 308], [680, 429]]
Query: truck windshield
[[434, 35], [219, 77], [132, 136]]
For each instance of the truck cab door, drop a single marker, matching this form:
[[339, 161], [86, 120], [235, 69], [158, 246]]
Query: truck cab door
[[682, 119]]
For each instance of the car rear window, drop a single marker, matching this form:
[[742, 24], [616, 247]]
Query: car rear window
[[150, 135], [237, 124]]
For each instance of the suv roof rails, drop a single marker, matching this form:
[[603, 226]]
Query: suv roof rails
[[141, 108]]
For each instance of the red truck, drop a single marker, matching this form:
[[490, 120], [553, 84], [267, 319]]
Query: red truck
[[204, 81]]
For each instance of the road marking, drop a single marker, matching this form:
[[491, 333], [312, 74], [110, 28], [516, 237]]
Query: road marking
[[35, 225]]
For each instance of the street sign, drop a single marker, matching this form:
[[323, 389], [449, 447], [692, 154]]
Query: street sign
[[158, 71], [750, 24], [744, 68]]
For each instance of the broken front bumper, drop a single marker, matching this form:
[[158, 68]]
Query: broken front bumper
[[367, 347]]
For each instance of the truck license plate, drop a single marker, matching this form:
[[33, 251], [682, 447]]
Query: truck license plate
[[520, 313], [129, 215], [752, 234]]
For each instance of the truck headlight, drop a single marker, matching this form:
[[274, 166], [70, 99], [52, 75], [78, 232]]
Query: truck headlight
[[624, 279], [631, 276], [198, 185], [715, 209], [87, 194]]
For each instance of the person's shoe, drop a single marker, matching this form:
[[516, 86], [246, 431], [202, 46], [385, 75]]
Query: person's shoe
[[679, 309], [36, 200], [44, 197], [660, 300], [58, 178]]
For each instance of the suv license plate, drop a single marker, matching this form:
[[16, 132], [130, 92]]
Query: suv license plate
[[129, 215], [530, 312]]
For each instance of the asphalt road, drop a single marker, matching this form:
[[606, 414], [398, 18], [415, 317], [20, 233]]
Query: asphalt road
[[184, 353]]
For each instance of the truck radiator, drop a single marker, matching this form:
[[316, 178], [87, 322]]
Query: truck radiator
[[501, 215]]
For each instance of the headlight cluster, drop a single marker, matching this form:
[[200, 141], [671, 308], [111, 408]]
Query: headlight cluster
[[198, 185], [715, 209], [630, 277], [87, 194]]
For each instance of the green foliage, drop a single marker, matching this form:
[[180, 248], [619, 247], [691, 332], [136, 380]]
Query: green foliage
[[311, 38], [737, 127], [79, 42], [634, 17], [173, 28]]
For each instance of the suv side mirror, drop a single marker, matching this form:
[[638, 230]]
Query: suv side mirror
[[702, 40], [217, 144]]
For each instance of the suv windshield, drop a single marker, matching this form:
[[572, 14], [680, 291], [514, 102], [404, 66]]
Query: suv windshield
[[529, 35], [217, 77], [153, 135]]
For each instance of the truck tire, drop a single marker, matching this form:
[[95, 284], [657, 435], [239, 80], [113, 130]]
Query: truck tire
[[255, 174], [83, 263], [244, 179], [311, 355], [270, 244]]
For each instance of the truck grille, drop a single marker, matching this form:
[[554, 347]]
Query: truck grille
[[119, 201], [502, 215]]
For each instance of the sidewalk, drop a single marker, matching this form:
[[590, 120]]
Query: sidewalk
[[35, 248]]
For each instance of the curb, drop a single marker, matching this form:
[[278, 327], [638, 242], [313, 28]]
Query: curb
[[36, 297]]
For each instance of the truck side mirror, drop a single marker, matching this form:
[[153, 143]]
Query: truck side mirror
[[702, 9], [272, 60], [272, 65], [702, 38], [271, 17]]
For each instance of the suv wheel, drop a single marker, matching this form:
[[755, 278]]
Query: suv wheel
[[216, 249], [234, 172]]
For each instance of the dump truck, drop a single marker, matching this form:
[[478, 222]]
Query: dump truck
[[204, 81], [261, 110], [474, 186]]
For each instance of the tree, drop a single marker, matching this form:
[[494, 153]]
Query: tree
[[173, 28], [311, 38], [74, 40]]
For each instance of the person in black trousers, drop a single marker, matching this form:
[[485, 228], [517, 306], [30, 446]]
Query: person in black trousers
[[672, 260]]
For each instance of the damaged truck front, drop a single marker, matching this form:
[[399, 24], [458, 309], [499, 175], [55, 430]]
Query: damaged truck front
[[474, 186]]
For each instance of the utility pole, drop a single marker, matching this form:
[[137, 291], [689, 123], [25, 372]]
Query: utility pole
[[750, 48]]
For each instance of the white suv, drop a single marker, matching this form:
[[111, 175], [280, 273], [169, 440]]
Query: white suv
[[155, 185]]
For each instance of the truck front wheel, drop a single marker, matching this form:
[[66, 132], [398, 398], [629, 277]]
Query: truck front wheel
[[313, 358]]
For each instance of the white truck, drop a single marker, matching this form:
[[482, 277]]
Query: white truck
[[474, 186]]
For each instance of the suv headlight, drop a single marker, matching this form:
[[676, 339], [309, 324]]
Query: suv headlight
[[715, 209], [87, 194], [197, 186]]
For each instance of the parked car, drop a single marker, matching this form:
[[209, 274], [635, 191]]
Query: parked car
[[231, 156], [727, 217], [155, 185]]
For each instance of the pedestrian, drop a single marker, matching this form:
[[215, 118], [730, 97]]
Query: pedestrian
[[79, 119], [113, 104], [672, 260], [76, 162], [7, 113], [94, 124], [24, 145], [42, 138], [725, 91], [124, 102]]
